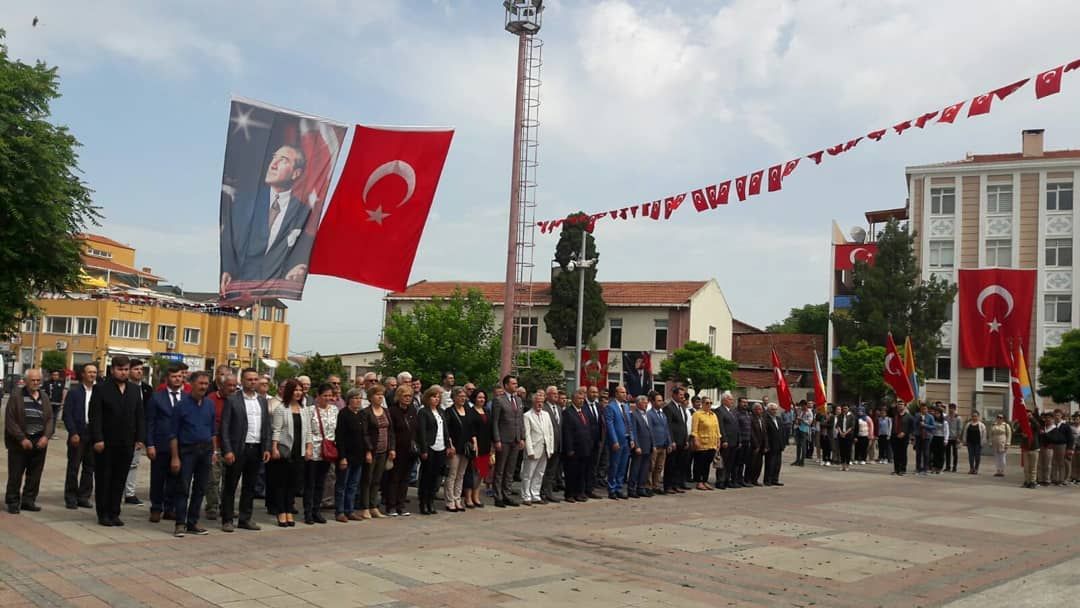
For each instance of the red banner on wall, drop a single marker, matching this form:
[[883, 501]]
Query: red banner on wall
[[594, 368]]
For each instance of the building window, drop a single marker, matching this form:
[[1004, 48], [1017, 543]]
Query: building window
[[661, 334], [998, 375], [999, 199], [98, 253], [264, 312], [712, 339], [528, 331], [615, 333], [1059, 252], [131, 330], [999, 252], [29, 326], [233, 339], [249, 341], [264, 345], [58, 325], [86, 326], [166, 333], [191, 335], [942, 254], [279, 315], [1059, 197], [942, 201], [942, 369], [1058, 308]]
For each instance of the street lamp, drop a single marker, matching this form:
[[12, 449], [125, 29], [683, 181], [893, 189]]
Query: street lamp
[[579, 262]]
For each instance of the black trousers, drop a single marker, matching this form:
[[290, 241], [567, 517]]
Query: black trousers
[[773, 461], [314, 480], [742, 460], [577, 473], [24, 469], [757, 462], [551, 475], [730, 460], [702, 463], [111, 468], [845, 450], [675, 467], [79, 487], [952, 454], [862, 447], [937, 453], [397, 485], [243, 472], [593, 468], [899, 454], [285, 479], [195, 463], [430, 471]]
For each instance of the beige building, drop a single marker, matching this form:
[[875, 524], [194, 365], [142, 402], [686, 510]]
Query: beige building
[[651, 316], [1013, 210]]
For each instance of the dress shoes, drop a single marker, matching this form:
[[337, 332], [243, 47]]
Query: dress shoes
[[30, 506], [342, 518], [155, 517], [169, 516], [319, 519], [132, 500], [624, 496], [244, 524], [592, 495], [85, 504], [613, 496], [553, 499], [569, 499], [354, 516], [510, 502], [13, 509], [777, 483], [581, 498], [500, 503], [70, 505]]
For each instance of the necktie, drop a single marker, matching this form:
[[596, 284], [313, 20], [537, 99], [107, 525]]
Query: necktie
[[582, 414], [275, 210], [175, 398]]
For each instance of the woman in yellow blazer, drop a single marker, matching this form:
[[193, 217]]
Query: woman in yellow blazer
[[704, 438]]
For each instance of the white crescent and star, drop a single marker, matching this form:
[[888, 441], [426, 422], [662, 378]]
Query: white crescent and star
[[395, 167], [889, 358], [855, 252], [1004, 294]]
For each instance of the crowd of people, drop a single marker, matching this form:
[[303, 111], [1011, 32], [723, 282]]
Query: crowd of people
[[358, 450]]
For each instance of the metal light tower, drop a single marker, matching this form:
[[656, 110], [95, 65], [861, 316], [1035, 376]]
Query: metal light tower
[[523, 19]]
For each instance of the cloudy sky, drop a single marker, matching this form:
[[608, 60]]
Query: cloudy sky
[[639, 99]]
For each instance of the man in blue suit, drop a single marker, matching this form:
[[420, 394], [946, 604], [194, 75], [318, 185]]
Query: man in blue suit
[[77, 489], [662, 442], [264, 238], [642, 453], [159, 429], [620, 442]]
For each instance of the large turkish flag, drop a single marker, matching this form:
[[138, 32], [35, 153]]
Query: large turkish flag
[[995, 303], [378, 211], [845, 256]]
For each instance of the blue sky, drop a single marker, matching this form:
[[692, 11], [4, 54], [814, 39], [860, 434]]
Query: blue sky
[[639, 99]]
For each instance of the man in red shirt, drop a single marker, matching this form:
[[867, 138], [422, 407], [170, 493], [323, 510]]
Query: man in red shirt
[[226, 387]]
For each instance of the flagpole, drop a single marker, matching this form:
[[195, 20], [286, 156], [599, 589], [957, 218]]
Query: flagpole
[[256, 309]]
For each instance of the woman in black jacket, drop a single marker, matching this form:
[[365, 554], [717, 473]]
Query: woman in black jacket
[[379, 446], [481, 464], [431, 438], [349, 437], [403, 415], [461, 448]]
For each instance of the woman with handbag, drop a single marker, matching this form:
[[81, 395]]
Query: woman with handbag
[[481, 464], [431, 439], [460, 451], [403, 417], [290, 448], [379, 449], [349, 437], [322, 420]]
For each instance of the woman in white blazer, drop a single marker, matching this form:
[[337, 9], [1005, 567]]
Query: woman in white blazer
[[539, 445], [290, 448]]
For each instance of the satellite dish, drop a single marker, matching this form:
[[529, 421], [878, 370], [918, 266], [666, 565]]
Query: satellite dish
[[858, 234]]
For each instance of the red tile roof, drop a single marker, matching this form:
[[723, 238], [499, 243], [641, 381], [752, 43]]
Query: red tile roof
[[616, 293], [796, 351], [103, 264], [103, 239]]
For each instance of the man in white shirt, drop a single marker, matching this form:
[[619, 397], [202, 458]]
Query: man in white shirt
[[77, 490], [245, 444]]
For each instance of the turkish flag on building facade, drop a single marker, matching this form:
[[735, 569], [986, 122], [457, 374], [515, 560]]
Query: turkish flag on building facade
[[594, 368], [783, 392], [1049, 82], [994, 302], [845, 256], [381, 204], [894, 373]]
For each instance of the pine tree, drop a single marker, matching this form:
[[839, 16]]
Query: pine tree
[[561, 318]]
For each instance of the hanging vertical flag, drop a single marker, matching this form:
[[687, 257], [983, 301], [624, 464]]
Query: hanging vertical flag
[[1049, 82], [909, 365], [783, 392], [821, 396], [740, 187], [1025, 380], [775, 178], [1018, 370], [380, 206], [894, 373], [755, 183]]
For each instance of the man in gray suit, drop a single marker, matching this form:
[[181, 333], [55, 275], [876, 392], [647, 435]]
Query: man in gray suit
[[554, 463], [508, 434], [729, 441]]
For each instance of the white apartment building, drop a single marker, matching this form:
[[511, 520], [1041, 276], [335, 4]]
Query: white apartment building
[[1013, 210], [651, 316]]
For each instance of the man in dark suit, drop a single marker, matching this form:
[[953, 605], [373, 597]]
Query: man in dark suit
[[77, 490], [678, 417], [903, 428], [729, 441], [159, 423], [636, 377], [554, 462], [641, 455], [264, 238], [758, 445], [577, 446], [245, 444], [594, 412], [661, 439], [774, 445], [508, 433], [116, 428], [135, 376]]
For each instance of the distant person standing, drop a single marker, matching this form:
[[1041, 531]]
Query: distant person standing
[[56, 388], [28, 424], [77, 488], [117, 427]]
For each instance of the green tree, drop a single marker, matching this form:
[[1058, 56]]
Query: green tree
[[43, 202], [561, 318], [457, 334], [1059, 369], [861, 369], [53, 360], [891, 296], [695, 365], [808, 319], [319, 368], [543, 369], [284, 370]]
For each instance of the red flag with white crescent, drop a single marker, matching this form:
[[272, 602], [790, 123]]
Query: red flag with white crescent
[[1049, 82], [993, 302], [381, 204], [894, 374], [783, 392], [845, 256]]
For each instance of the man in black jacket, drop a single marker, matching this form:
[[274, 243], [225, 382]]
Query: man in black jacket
[[577, 445], [116, 429], [902, 429], [245, 444], [677, 417], [729, 441], [135, 376], [774, 445]]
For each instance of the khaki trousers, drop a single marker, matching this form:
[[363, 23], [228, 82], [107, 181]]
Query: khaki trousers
[[1046, 455], [1057, 465], [656, 469], [1031, 461]]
